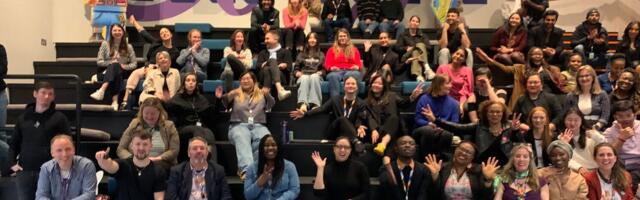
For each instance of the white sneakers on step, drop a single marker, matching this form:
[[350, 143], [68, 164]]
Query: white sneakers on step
[[98, 95]]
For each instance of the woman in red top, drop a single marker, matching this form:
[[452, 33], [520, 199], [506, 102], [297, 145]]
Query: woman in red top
[[509, 41], [610, 180], [342, 60]]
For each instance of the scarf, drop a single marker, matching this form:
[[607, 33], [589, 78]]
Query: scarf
[[273, 52]]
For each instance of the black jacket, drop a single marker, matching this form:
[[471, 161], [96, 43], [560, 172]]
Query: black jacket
[[258, 18], [368, 9], [343, 9], [283, 56], [420, 182], [406, 40], [476, 181], [335, 108], [180, 180], [539, 37], [32, 136], [548, 101], [580, 37], [379, 114], [377, 56]]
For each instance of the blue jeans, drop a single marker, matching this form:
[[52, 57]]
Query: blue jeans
[[246, 138], [368, 27], [336, 77], [389, 27], [329, 24], [26, 184]]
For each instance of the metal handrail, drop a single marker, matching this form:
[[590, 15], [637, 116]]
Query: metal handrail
[[78, 84]]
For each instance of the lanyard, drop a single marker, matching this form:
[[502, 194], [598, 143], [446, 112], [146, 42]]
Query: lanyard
[[337, 6], [348, 112], [407, 185]]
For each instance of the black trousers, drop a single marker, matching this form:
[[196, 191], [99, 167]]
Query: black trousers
[[294, 38], [114, 76], [433, 141]]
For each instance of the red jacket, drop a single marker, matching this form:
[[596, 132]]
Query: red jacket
[[501, 37], [342, 62], [595, 192]]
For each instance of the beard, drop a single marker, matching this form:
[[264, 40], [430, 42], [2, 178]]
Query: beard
[[141, 155]]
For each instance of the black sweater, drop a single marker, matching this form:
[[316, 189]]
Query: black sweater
[[283, 56], [379, 113], [540, 37], [581, 33], [156, 46], [345, 180], [185, 109], [3, 67], [391, 10], [341, 8], [368, 9], [32, 136], [420, 182], [407, 40]]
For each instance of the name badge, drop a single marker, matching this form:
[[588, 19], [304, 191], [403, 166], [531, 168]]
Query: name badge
[[198, 123], [250, 120], [335, 17]]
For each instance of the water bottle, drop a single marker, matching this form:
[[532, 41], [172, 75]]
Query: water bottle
[[290, 136], [284, 135]]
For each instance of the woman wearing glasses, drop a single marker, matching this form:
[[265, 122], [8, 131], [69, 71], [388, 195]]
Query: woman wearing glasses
[[342, 178]]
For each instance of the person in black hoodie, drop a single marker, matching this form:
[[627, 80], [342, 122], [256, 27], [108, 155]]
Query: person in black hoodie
[[404, 178], [264, 18], [274, 63], [336, 14], [381, 59], [591, 40], [189, 111], [29, 146], [4, 101]]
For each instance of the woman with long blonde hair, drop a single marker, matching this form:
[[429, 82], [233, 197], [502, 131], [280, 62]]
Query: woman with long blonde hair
[[519, 179], [248, 118]]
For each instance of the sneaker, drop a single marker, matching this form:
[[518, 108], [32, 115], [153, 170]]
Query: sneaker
[[379, 149], [303, 107], [284, 94], [115, 106], [455, 140], [242, 175], [97, 95], [420, 78], [123, 106]]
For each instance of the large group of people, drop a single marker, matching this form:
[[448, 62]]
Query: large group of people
[[561, 132]]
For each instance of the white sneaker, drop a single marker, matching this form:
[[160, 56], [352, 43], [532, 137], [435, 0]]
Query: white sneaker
[[420, 78], [283, 94], [97, 95], [455, 140], [115, 106]]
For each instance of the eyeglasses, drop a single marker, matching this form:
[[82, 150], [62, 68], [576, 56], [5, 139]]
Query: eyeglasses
[[342, 147]]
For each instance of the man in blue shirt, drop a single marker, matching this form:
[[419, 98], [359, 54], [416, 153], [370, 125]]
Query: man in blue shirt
[[66, 176]]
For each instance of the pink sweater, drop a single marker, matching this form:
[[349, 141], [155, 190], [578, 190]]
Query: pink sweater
[[461, 81], [341, 61], [301, 18]]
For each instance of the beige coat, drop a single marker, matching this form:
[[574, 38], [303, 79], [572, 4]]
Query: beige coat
[[154, 81], [169, 137], [569, 186]]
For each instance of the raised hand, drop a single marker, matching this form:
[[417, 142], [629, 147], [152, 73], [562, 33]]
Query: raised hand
[[433, 164], [625, 133], [367, 45], [319, 161], [103, 155], [515, 120], [566, 136], [266, 175], [374, 136], [489, 168], [219, 91], [428, 113]]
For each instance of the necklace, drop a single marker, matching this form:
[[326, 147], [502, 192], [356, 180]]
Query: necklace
[[140, 170]]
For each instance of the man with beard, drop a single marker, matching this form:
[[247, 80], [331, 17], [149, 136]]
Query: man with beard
[[137, 176], [404, 178], [453, 36], [198, 178], [591, 40], [548, 37]]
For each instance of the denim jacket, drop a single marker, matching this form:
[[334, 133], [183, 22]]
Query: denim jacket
[[82, 185], [287, 188]]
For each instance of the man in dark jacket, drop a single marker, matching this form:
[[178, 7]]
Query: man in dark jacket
[[391, 15], [264, 18], [274, 63], [404, 178], [4, 101], [209, 177], [368, 15], [30, 141], [336, 14], [548, 37], [532, 11], [591, 40]]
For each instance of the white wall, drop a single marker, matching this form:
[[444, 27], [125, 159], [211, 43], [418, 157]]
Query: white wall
[[24, 24]]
